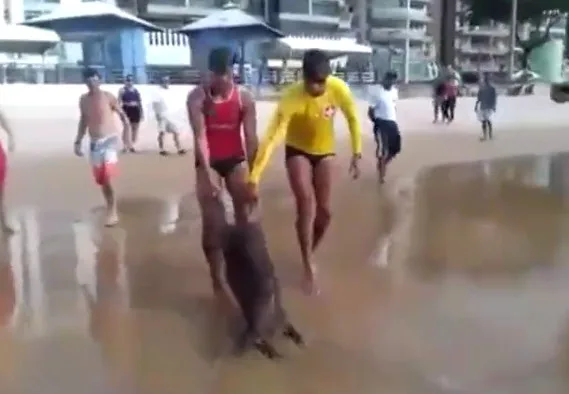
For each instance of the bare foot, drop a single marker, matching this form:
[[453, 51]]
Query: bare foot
[[310, 283], [112, 219]]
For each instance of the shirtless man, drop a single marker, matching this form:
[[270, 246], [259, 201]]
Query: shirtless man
[[97, 107], [218, 111], [4, 227]]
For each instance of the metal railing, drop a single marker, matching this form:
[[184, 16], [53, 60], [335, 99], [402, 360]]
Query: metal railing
[[73, 74]]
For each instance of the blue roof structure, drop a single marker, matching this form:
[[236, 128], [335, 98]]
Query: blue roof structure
[[237, 24], [92, 17]]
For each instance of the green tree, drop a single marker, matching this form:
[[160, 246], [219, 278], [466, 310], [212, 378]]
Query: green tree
[[539, 15]]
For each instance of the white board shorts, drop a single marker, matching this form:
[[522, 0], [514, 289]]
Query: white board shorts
[[165, 125], [485, 115]]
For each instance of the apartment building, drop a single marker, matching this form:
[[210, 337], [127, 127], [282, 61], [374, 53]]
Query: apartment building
[[398, 29], [486, 48]]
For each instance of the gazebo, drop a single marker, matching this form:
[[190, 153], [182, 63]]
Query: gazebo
[[111, 37], [18, 39], [229, 27]]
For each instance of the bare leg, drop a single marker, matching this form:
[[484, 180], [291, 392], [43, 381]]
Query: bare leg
[[299, 172], [134, 136], [322, 182], [177, 143], [161, 149], [112, 218], [382, 163], [236, 184], [436, 109]]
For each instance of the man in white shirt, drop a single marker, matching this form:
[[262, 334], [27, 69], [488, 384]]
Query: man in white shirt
[[163, 108], [385, 129]]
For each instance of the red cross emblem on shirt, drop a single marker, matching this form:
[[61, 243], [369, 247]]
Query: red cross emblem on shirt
[[329, 111]]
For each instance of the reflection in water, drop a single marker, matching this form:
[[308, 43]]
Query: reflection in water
[[30, 228], [101, 275], [472, 259]]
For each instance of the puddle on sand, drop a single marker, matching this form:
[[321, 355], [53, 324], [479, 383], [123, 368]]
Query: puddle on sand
[[471, 294]]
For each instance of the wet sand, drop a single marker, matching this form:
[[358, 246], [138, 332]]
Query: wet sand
[[451, 279]]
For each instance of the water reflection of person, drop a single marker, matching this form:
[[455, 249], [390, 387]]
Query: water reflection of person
[[107, 301], [10, 283]]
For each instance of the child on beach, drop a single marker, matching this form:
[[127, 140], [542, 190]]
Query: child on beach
[[486, 106]]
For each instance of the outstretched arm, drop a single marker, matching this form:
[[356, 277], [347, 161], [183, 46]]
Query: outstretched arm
[[276, 132], [349, 108]]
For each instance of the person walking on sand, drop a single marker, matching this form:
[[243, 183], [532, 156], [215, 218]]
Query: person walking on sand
[[438, 100], [222, 116], [131, 104], [4, 226], [485, 106], [450, 98], [163, 109], [385, 128], [96, 118], [305, 118]]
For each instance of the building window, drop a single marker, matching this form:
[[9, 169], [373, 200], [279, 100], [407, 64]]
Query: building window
[[325, 8], [295, 6]]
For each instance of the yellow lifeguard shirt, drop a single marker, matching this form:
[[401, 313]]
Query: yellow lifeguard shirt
[[307, 122]]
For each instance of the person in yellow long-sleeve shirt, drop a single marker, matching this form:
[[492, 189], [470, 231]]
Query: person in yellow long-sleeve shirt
[[304, 118]]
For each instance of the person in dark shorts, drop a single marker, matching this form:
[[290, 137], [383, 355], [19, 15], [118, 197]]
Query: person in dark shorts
[[438, 100], [485, 107], [223, 118], [385, 129], [131, 104]]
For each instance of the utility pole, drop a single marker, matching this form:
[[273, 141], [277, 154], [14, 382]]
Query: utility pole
[[407, 53], [513, 30]]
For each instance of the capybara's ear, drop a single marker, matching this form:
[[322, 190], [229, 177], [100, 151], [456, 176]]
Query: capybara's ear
[[292, 333], [267, 350]]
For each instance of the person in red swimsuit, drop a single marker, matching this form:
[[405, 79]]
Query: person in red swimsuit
[[218, 111], [4, 227]]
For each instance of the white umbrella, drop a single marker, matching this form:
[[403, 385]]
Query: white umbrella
[[92, 10], [26, 39]]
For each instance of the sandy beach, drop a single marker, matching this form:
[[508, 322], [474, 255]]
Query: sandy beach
[[452, 279]]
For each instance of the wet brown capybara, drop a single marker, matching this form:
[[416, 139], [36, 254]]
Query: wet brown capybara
[[250, 274]]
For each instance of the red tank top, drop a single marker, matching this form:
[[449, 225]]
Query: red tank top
[[223, 126]]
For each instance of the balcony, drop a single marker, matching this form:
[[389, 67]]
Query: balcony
[[469, 66], [387, 34], [401, 13], [488, 31], [313, 11], [495, 50], [197, 8]]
